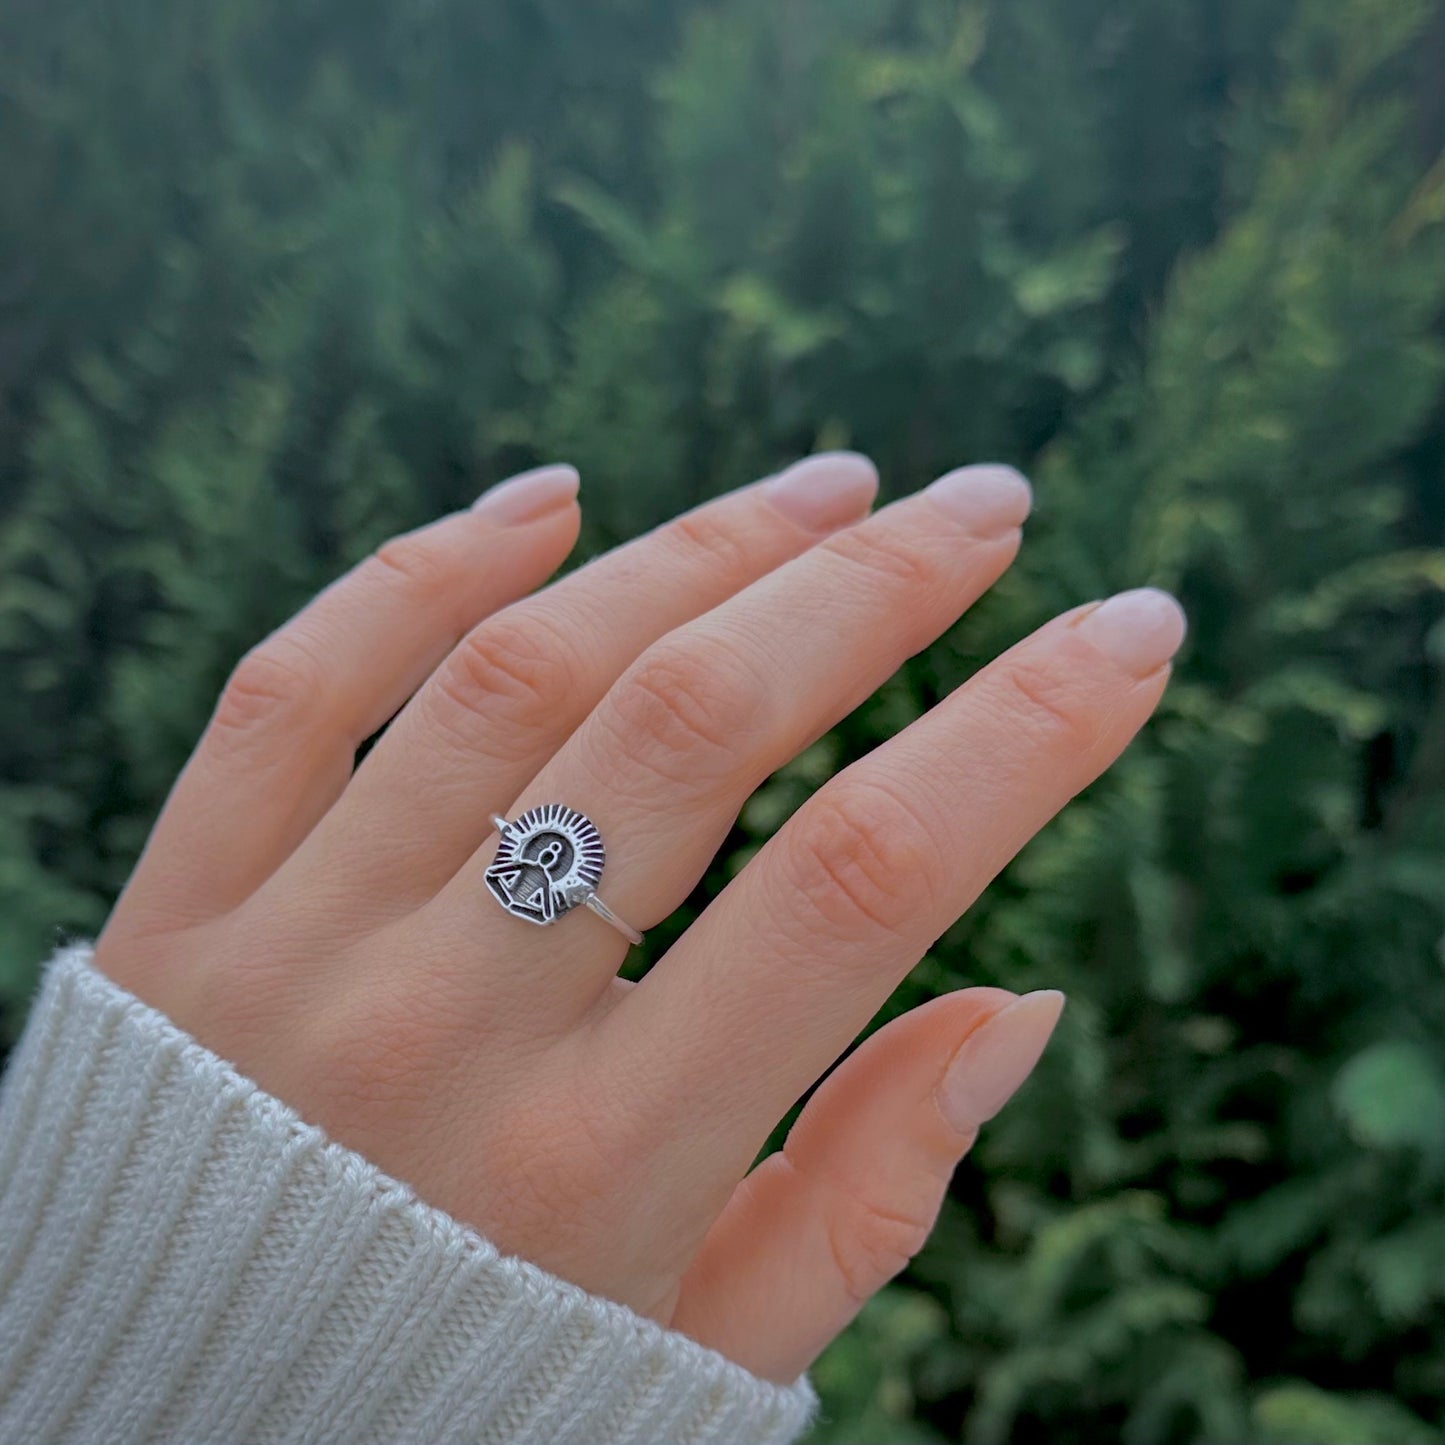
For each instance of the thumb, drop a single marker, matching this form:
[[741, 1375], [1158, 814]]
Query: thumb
[[819, 1227]]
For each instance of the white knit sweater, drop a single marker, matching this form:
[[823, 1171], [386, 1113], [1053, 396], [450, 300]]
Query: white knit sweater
[[183, 1258]]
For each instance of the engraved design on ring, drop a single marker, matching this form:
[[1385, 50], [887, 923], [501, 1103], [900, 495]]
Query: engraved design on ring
[[548, 862]]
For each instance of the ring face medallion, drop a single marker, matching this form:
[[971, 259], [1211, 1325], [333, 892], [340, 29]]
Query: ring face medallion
[[548, 860]]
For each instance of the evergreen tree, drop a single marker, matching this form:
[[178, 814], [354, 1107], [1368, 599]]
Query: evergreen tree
[[276, 280]]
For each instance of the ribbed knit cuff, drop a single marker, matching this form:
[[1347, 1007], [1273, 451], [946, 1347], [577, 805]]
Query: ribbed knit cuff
[[182, 1258]]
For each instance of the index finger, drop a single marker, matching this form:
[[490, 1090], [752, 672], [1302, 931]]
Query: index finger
[[788, 965]]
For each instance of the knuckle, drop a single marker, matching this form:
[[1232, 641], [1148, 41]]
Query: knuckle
[[369, 1064], [562, 1146], [513, 666], [705, 535], [276, 685], [885, 560], [413, 562], [1045, 702], [861, 855], [606, 1148], [870, 1244], [683, 710], [536, 1170]]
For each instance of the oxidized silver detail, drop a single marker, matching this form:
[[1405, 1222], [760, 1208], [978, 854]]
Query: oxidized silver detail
[[548, 862]]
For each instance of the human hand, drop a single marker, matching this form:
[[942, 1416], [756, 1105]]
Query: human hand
[[331, 934]]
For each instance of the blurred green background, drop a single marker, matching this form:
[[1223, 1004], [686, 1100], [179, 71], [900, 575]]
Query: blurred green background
[[280, 277]]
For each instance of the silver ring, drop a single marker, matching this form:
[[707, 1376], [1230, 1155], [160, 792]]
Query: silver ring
[[548, 862]]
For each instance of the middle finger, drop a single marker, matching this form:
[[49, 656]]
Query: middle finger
[[666, 760]]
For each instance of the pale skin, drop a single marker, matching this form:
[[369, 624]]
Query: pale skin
[[326, 928]]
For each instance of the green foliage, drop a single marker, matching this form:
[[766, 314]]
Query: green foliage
[[276, 280], [1299, 1414]]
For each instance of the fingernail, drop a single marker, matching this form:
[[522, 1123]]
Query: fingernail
[[826, 491], [996, 1058], [530, 495], [988, 499], [1141, 630]]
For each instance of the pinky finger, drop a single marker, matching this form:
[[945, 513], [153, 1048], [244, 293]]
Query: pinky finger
[[819, 1227], [279, 748]]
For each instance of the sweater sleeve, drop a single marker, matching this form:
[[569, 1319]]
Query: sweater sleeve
[[183, 1258]]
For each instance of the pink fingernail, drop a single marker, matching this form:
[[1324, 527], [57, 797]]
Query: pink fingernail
[[826, 491], [530, 495], [989, 499], [1141, 630], [996, 1058]]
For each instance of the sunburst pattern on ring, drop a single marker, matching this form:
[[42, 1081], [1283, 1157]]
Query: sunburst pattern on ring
[[548, 861]]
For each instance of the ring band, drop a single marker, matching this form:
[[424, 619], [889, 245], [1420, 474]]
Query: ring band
[[548, 862]]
